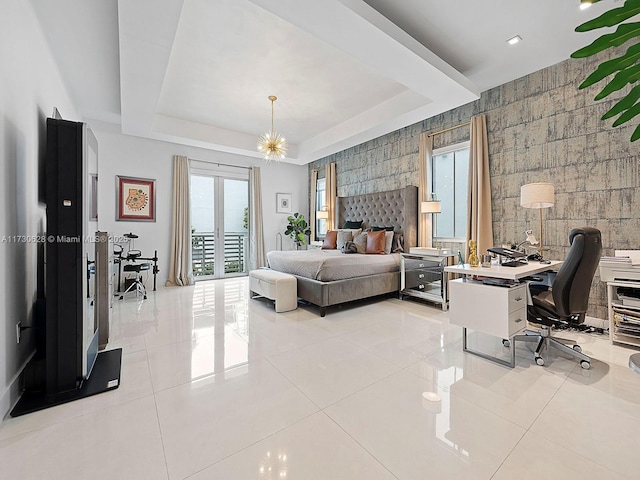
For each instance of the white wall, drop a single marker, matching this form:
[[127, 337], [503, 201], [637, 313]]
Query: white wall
[[138, 157], [30, 86]]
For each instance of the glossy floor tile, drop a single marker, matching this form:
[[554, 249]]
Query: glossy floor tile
[[292, 453], [216, 385]]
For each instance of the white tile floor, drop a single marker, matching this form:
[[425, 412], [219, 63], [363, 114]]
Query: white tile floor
[[217, 386]]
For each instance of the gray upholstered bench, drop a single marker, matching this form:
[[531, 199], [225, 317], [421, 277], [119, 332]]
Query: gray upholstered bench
[[277, 286]]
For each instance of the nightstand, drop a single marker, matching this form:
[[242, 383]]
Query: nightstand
[[314, 245], [422, 275]]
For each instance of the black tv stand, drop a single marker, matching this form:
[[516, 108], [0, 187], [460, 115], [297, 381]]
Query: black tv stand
[[104, 376]]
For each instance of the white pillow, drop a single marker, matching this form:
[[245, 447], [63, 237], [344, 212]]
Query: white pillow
[[388, 242], [354, 231]]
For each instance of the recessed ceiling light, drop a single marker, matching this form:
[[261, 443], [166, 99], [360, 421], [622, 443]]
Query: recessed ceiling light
[[584, 4], [514, 40]]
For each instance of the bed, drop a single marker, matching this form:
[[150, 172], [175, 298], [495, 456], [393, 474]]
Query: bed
[[325, 277]]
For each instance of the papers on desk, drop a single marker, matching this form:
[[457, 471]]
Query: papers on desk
[[632, 255], [625, 265]]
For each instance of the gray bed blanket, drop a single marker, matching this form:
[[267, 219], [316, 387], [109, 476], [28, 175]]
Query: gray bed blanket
[[328, 265]]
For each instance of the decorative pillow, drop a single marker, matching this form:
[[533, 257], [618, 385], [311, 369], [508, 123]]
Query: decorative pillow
[[361, 242], [349, 247], [354, 231], [343, 237], [330, 240], [376, 242], [352, 224], [388, 242], [398, 240], [377, 229]]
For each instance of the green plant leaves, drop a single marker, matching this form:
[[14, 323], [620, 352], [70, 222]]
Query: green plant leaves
[[620, 80], [611, 66], [622, 34], [625, 69], [624, 104], [298, 228], [612, 17]]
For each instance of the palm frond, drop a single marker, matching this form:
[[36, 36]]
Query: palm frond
[[628, 115], [605, 69], [623, 33], [612, 17], [624, 104]]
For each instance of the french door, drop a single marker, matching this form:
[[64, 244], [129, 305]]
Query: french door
[[219, 225]]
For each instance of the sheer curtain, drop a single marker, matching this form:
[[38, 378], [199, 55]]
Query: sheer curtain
[[314, 207], [425, 230], [330, 195], [479, 217], [257, 256], [180, 267]]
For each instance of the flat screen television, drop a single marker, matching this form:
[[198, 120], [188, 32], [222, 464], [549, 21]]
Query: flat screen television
[[71, 324], [67, 365]]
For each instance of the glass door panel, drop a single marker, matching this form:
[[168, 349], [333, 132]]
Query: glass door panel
[[236, 226], [219, 232], [203, 226]]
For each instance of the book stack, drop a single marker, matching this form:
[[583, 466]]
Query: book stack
[[627, 321]]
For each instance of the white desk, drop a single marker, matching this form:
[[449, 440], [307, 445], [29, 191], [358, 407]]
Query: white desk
[[500, 311], [506, 273]]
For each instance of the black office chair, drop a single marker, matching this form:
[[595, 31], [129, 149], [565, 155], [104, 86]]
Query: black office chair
[[565, 302]]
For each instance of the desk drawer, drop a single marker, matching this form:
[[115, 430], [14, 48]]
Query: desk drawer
[[517, 299], [517, 321]]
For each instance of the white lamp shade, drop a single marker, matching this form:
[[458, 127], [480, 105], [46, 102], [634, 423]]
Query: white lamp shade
[[320, 214], [537, 195], [433, 206]]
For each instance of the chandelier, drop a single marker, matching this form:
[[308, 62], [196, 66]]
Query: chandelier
[[272, 145]]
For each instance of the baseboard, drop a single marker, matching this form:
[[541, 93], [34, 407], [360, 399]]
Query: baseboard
[[11, 394]]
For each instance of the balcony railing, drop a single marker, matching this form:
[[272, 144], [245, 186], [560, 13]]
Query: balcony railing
[[203, 253]]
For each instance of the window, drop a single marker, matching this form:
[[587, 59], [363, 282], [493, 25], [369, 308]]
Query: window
[[321, 223], [449, 179]]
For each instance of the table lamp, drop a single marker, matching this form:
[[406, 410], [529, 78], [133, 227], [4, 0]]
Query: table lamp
[[537, 195], [432, 206]]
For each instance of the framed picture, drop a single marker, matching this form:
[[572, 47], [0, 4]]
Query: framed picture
[[283, 203], [135, 199]]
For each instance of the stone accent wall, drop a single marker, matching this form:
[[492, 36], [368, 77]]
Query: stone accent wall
[[541, 129]]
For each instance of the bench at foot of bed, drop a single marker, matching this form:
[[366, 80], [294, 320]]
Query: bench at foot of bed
[[277, 286]]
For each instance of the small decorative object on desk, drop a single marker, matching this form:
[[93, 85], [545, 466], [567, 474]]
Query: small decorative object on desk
[[473, 257]]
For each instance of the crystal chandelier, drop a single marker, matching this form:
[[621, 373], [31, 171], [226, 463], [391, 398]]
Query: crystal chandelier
[[272, 145]]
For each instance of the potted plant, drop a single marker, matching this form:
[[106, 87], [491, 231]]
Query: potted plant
[[298, 229]]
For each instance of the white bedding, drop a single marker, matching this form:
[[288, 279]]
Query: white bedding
[[328, 265]]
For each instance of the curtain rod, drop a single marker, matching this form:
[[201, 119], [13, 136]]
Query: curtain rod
[[463, 124], [220, 163]]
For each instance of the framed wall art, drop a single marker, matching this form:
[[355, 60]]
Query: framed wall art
[[135, 199], [283, 203]]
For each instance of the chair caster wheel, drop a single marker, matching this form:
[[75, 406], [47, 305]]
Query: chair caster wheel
[[506, 343], [577, 348], [121, 297], [145, 297], [540, 361], [586, 365]]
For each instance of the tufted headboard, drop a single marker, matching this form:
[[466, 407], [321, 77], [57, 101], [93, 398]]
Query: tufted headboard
[[384, 209]]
